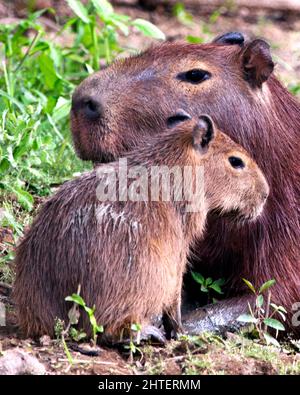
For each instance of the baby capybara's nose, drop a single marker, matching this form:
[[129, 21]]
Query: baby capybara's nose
[[88, 106]]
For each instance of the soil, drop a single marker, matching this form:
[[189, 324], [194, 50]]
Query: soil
[[207, 354], [204, 355]]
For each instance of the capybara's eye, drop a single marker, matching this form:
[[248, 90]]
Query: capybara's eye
[[236, 162], [194, 76]]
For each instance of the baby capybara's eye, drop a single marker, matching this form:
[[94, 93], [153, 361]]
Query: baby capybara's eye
[[236, 163], [194, 76]]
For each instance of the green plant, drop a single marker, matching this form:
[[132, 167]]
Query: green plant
[[99, 26], [135, 339], [194, 39], [208, 285], [215, 16], [62, 333], [8, 219], [12, 221], [294, 89], [58, 327], [206, 26], [38, 73], [261, 316], [182, 14], [34, 109], [74, 317]]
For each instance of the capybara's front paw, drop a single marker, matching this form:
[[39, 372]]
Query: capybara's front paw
[[173, 328]]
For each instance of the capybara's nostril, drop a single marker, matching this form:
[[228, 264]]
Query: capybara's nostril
[[92, 108]]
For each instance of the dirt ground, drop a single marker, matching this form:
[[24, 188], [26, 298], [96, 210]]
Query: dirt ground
[[207, 354]]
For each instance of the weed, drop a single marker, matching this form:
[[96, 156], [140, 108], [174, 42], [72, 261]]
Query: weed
[[262, 315], [74, 315], [37, 77], [208, 285], [182, 15]]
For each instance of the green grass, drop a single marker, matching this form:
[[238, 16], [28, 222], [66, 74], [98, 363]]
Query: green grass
[[39, 70], [37, 78]]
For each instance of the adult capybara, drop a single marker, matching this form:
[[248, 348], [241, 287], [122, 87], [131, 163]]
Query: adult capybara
[[233, 81], [129, 252]]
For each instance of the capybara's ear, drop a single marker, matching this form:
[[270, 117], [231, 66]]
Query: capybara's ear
[[203, 133], [257, 62], [178, 117], [231, 38]]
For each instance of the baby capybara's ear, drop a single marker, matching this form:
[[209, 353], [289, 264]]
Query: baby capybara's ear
[[257, 62], [231, 38], [178, 117], [203, 133]]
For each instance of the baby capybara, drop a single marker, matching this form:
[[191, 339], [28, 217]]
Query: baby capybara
[[129, 256]]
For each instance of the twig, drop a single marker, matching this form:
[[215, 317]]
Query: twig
[[177, 358], [87, 362], [267, 309], [32, 44]]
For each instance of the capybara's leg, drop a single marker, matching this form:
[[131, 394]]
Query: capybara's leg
[[172, 317]]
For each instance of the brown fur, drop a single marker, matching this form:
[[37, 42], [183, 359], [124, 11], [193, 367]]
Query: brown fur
[[129, 257], [256, 111]]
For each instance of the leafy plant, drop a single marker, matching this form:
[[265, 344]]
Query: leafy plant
[[99, 26], [34, 110], [37, 77], [12, 221], [58, 327], [135, 333], [74, 317], [194, 39], [208, 285], [60, 334], [294, 89], [183, 16], [261, 316]]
